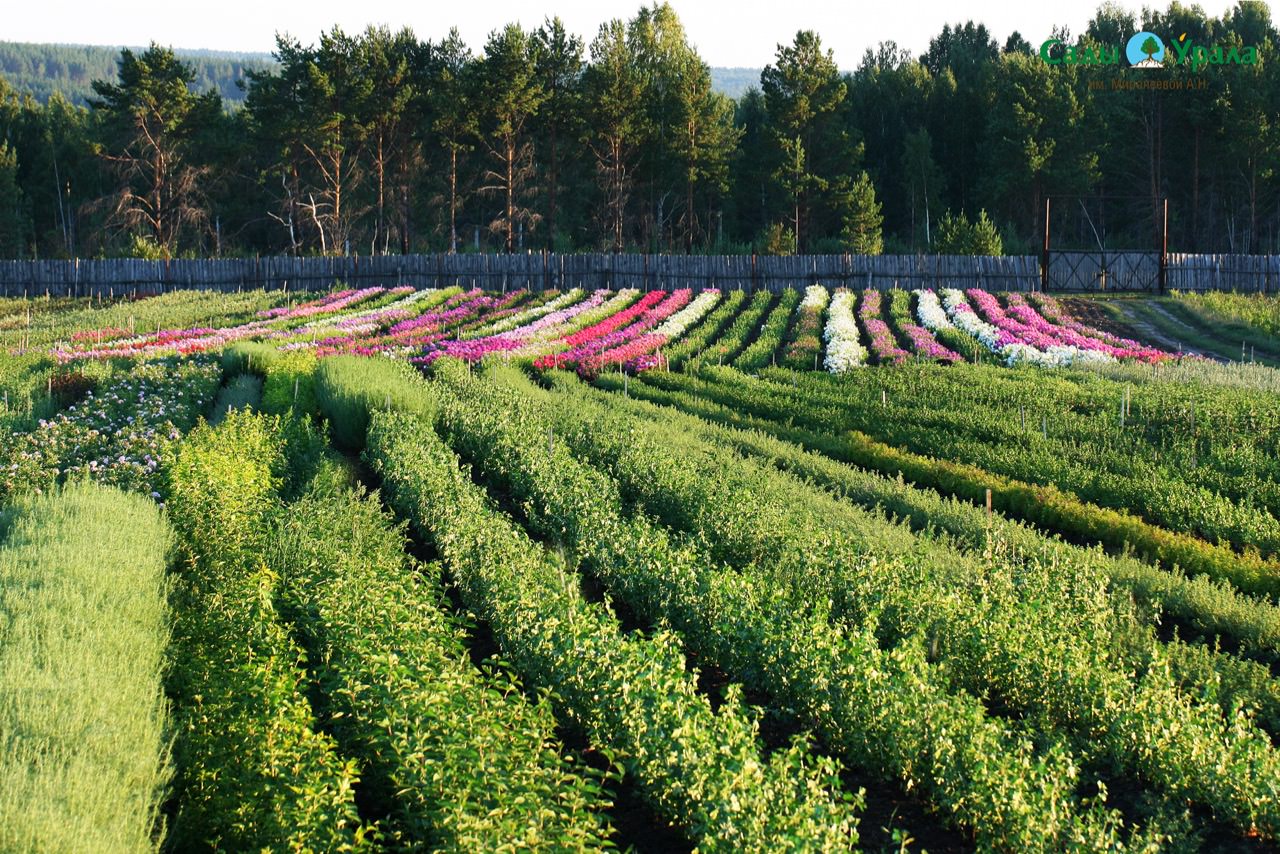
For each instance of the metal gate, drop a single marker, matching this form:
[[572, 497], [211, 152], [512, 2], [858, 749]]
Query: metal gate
[[1103, 271]]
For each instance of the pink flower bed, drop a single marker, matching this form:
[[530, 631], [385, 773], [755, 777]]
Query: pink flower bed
[[612, 342], [1019, 308], [882, 340], [1012, 331], [1053, 312], [477, 348]]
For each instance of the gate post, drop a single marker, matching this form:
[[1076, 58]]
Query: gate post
[[1044, 254], [1164, 247]]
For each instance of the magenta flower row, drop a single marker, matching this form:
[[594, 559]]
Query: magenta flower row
[[882, 340]]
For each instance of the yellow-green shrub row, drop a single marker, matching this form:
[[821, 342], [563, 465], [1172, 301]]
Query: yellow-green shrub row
[[458, 759], [83, 627], [254, 771]]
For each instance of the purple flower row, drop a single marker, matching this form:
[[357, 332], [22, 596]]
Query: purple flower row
[[883, 343]]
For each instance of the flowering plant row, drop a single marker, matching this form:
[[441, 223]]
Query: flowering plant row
[[923, 342], [1073, 337], [116, 436], [623, 344], [1014, 342], [844, 351], [673, 327], [528, 315], [613, 330], [1053, 311], [882, 341], [806, 335]]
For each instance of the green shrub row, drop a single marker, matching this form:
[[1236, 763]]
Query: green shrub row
[[631, 695], [458, 759], [987, 615], [83, 626], [1045, 505], [254, 769], [698, 338], [1192, 462], [733, 337], [1206, 609], [762, 351], [869, 706]]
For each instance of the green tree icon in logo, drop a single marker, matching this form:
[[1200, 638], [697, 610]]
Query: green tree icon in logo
[[1150, 46]]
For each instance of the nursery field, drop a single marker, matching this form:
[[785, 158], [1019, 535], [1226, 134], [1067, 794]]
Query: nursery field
[[386, 569]]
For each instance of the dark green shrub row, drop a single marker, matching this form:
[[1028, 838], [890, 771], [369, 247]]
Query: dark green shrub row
[[761, 352], [733, 337], [695, 340]]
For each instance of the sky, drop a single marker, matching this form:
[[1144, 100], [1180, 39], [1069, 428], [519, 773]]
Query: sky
[[726, 32]]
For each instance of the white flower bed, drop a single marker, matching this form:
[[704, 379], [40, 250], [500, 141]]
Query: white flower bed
[[930, 311], [841, 336], [815, 299], [678, 323]]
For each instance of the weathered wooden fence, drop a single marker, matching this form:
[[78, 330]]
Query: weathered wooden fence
[[502, 272], [1249, 273], [540, 271]]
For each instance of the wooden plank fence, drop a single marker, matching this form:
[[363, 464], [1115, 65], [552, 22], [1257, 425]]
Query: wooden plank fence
[[540, 271], [536, 271]]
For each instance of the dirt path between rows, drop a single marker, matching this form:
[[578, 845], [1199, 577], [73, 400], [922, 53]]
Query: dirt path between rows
[[1151, 333]]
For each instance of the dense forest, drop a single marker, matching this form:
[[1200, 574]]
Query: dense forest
[[379, 142]]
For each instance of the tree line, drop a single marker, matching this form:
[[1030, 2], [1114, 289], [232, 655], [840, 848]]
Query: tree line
[[379, 142]]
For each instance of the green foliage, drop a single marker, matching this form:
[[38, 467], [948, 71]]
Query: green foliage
[[863, 220], [253, 768], [777, 239], [749, 624], [1206, 610], [1258, 310], [630, 694], [958, 236], [697, 339], [762, 351], [290, 384], [732, 337], [394, 678], [244, 392], [145, 247], [348, 388], [83, 735], [991, 636]]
